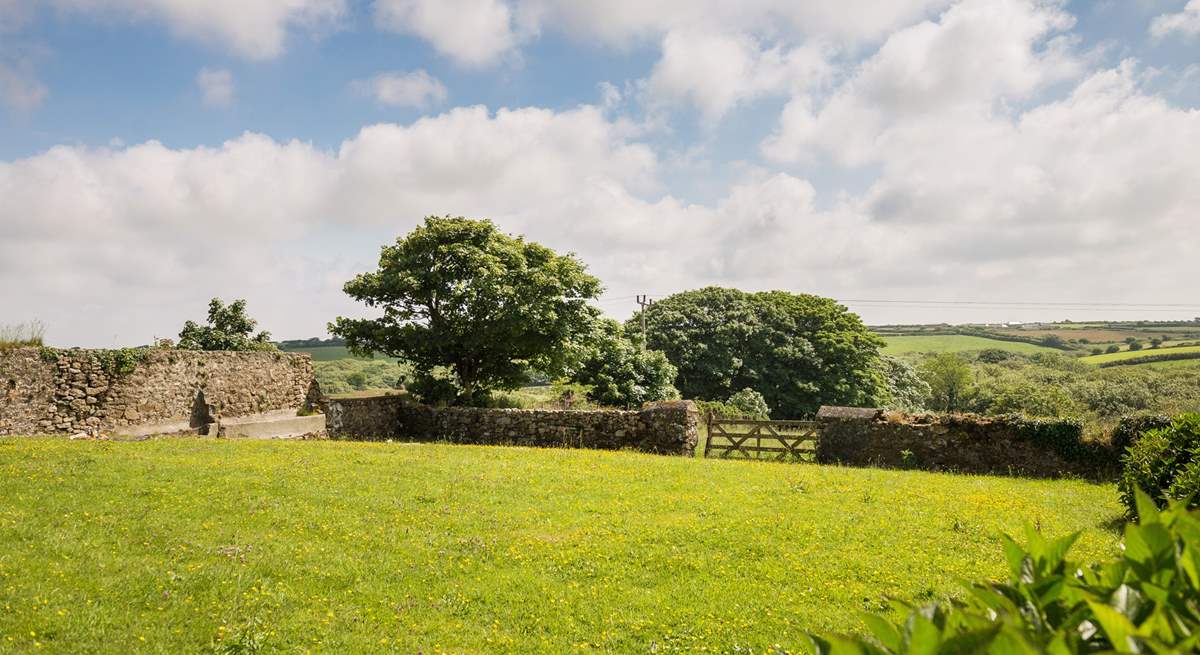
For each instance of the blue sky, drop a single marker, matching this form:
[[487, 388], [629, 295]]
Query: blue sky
[[156, 153]]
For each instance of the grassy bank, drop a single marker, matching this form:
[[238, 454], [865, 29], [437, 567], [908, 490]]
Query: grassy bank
[[193, 545]]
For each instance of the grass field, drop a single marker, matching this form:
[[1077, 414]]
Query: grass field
[[1174, 363], [955, 343], [195, 545], [329, 353], [1134, 354]]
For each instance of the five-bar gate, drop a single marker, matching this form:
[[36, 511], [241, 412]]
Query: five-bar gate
[[756, 439]]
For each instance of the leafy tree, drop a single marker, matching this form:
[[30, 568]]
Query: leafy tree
[[906, 390], [1113, 349], [472, 309], [619, 372], [1156, 342], [750, 403], [229, 328], [799, 351], [950, 381], [1136, 345]]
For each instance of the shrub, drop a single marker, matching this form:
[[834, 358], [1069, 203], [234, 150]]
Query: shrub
[[750, 403], [1131, 428], [1142, 602], [1163, 463], [1113, 349]]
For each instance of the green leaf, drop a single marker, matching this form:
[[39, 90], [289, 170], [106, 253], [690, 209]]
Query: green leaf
[[1119, 630], [887, 634]]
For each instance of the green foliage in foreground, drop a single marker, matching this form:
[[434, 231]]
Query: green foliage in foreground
[[198, 545], [1165, 463], [1146, 601]]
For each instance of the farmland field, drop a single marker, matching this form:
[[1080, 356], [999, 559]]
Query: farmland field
[[328, 353], [196, 545], [1134, 354], [955, 343], [1175, 363]]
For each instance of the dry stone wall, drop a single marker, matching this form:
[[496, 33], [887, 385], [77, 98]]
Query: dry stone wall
[[965, 443], [665, 428], [66, 391]]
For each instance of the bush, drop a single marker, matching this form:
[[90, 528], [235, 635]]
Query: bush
[[1131, 428], [1164, 463], [1113, 349], [750, 403], [1142, 602]]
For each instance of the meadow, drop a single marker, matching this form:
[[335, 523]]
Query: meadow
[[330, 353], [949, 343], [1135, 354], [198, 545]]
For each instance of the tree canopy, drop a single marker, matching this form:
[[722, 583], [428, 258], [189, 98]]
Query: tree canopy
[[229, 328], [472, 309], [799, 351]]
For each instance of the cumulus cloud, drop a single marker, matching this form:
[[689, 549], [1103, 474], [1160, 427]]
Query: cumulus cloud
[[416, 89], [474, 33], [257, 29], [483, 32], [216, 87], [980, 57], [715, 71], [1183, 23], [968, 206]]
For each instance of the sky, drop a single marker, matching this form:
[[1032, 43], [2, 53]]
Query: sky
[[920, 160]]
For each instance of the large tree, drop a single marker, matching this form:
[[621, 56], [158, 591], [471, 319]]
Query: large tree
[[471, 308], [799, 351]]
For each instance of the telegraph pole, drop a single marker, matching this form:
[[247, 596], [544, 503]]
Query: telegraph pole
[[645, 302]]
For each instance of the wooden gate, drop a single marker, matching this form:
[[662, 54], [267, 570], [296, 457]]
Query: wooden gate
[[755, 439]]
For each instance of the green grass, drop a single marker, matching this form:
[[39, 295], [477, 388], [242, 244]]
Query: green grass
[[956, 343], [331, 353], [1170, 364], [195, 545], [1134, 354]]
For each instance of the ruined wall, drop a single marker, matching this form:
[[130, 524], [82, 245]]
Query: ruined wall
[[667, 428], [1009, 445], [67, 391]]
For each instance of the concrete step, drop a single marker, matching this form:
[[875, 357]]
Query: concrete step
[[272, 427]]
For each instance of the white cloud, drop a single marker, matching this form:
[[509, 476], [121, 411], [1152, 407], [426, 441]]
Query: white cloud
[[481, 33], [715, 71], [256, 29], [20, 89], [474, 33], [416, 89], [1184, 23], [980, 57], [216, 87]]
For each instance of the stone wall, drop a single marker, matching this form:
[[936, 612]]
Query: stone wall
[[1009, 445], [66, 391], [666, 428]]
